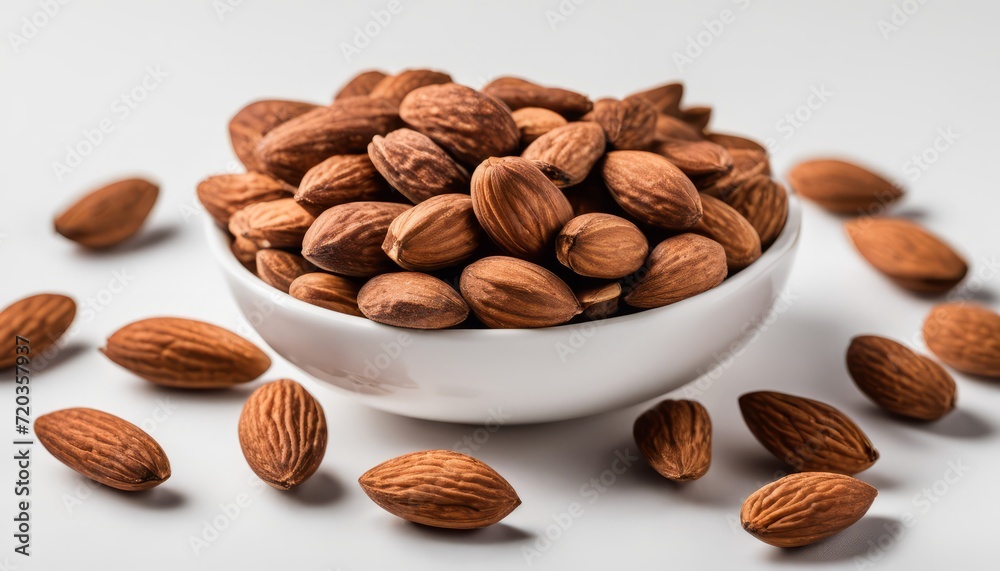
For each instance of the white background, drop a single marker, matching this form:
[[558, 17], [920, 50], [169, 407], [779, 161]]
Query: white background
[[888, 98]]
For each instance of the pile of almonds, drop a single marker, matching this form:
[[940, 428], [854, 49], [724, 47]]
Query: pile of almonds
[[415, 201]]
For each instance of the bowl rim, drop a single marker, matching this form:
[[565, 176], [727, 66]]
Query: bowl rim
[[783, 245]]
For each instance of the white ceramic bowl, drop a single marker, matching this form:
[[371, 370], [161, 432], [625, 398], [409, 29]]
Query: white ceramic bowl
[[519, 375]]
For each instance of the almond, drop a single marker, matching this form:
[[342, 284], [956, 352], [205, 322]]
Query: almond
[[696, 158], [670, 128], [361, 84], [109, 215], [279, 268], [104, 448], [533, 122], [347, 239], [346, 127], [675, 437], [600, 301], [843, 187], [440, 488], [246, 252], [800, 509], [257, 119], [41, 319], [735, 142], [395, 87], [664, 98], [224, 194], [965, 337], [899, 380], [276, 224], [573, 149], [907, 254], [185, 353], [283, 434], [652, 189], [747, 163], [415, 166], [764, 204], [678, 268], [469, 125], [728, 227], [520, 209], [698, 117], [519, 93], [327, 291], [412, 299], [341, 179], [628, 124], [510, 293], [437, 233], [601, 246], [808, 435]]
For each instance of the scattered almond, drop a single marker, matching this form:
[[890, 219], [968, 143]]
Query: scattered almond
[[109, 215], [843, 187], [41, 319], [965, 337], [675, 437]]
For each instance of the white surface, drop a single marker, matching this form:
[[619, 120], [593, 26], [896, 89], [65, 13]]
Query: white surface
[[889, 99]]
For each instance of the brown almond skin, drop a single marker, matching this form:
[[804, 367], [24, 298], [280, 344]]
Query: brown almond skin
[[573, 148], [440, 488], [747, 163], [415, 166], [601, 301], [347, 239], [278, 268], [412, 299], [652, 189], [675, 437], [327, 291], [245, 252], [907, 254], [518, 207], [764, 203], [899, 380], [257, 119], [508, 293], [437, 233], [346, 127], [678, 268], [696, 158], [808, 435], [104, 448], [224, 194], [467, 124], [361, 84], [728, 227], [628, 124], [669, 128], [698, 117], [533, 122], [341, 179], [283, 433], [109, 215], [601, 246], [843, 187], [278, 223], [395, 87], [664, 98], [519, 93], [41, 319], [966, 337], [730, 141], [185, 353], [800, 509]]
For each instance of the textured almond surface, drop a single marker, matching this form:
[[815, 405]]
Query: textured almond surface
[[412, 299], [899, 380], [104, 448], [41, 319], [696, 158], [628, 124], [361, 84], [395, 87], [440, 488], [764, 204], [278, 223], [675, 437], [347, 239], [600, 301], [965, 337], [508, 293], [735, 142], [910, 256], [800, 509], [698, 116], [678, 268], [185, 353], [283, 434], [652, 189], [341, 179], [725, 225], [328, 291], [279, 268], [574, 149], [533, 122], [224, 194], [518, 93], [601, 246], [842, 187], [807, 434], [437, 233], [669, 128], [664, 98], [257, 119], [108, 215], [415, 166]]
